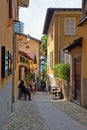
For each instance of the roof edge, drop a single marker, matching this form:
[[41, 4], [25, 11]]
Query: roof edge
[[49, 15]]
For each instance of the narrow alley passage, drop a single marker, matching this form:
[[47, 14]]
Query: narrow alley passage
[[42, 113]]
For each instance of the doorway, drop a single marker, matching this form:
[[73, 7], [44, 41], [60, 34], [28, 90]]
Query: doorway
[[77, 71]]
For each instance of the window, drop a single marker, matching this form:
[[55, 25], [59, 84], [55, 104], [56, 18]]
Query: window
[[67, 58], [51, 59], [69, 26], [6, 62], [9, 63]]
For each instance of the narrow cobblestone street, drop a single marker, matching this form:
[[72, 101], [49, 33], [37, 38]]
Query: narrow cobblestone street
[[27, 115]]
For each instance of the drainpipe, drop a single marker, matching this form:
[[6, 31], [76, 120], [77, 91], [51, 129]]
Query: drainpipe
[[58, 38], [13, 80]]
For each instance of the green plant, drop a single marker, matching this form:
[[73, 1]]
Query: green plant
[[44, 71], [62, 71], [28, 78], [23, 60]]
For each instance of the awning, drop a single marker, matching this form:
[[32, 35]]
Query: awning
[[29, 55], [82, 21], [24, 54], [74, 44]]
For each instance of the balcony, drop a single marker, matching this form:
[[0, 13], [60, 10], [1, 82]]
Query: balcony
[[24, 3], [18, 27]]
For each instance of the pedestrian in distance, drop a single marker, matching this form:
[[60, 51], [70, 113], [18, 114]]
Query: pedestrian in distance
[[24, 91], [29, 92], [21, 87]]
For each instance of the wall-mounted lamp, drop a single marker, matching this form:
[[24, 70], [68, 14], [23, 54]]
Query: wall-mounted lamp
[[28, 37]]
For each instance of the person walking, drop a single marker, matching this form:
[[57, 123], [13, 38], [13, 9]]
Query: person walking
[[22, 89], [29, 92]]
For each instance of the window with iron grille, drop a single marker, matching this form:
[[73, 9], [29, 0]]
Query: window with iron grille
[[69, 24]]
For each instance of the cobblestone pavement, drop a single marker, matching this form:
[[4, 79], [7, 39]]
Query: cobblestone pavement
[[73, 110], [70, 108], [27, 117]]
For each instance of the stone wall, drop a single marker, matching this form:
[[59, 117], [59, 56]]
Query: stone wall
[[61, 83], [65, 86]]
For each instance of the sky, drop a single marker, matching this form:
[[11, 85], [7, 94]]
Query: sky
[[34, 16]]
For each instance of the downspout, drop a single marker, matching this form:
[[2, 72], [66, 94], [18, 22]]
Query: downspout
[[58, 38], [13, 88]]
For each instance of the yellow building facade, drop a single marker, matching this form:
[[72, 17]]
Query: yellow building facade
[[61, 27], [9, 13], [30, 49], [78, 64]]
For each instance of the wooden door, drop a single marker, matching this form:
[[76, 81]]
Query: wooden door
[[77, 66]]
